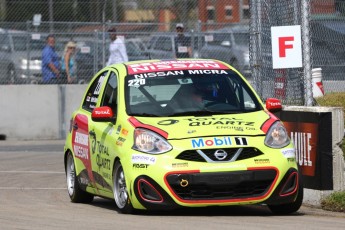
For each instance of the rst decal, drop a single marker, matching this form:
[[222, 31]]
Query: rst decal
[[140, 166]]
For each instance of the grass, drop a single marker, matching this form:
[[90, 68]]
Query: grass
[[336, 201]]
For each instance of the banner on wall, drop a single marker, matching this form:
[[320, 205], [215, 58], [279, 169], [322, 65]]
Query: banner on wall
[[312, 136]]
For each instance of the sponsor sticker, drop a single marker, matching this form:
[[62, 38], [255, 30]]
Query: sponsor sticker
[[179, 165], [81, 138], [288, 153], [209, 142], [124, 132], [143, 159], [174, 65]]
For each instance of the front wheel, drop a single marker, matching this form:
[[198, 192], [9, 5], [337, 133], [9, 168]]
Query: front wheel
[[120, 190], [76, 194]]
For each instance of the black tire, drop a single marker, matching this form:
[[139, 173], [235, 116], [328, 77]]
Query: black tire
[[285, 209], [76, 194], [120, 191]]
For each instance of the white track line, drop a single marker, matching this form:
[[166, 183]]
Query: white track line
[[26, 188], [35, 172]]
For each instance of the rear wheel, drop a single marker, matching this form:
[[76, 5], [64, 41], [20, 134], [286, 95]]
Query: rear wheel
[[120, 189], [285, 209], [76, 194]]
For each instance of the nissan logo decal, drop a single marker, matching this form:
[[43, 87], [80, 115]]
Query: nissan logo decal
[[220, 154]]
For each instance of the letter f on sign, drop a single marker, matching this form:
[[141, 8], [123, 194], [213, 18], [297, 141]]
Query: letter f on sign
[[283, 46], [286, 44]]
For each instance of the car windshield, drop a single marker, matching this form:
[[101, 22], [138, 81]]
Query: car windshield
[[241, 38], [188, 92], [20, 43]]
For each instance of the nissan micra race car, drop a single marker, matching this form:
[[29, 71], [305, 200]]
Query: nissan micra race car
[[160, 135]]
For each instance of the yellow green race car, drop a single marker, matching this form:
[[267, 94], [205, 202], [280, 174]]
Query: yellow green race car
[[166, 134]]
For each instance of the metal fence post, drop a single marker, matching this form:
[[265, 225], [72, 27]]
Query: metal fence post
[[255, 45], [305, 14]]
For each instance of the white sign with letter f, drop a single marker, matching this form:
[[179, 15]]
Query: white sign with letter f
[[286, 47]]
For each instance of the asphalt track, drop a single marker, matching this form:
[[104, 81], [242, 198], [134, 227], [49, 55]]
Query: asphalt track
[[33, 195]]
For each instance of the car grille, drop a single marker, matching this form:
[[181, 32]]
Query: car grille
[[222, 185], [208, 155]]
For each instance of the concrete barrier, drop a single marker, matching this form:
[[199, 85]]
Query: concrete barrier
[[31, 112], [323, 150]]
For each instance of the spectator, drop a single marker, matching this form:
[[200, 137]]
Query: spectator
[[117, 49], [50, 62], [67, 62], [182, 43]]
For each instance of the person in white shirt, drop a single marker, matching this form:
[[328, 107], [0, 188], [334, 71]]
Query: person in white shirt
[[117, 49]]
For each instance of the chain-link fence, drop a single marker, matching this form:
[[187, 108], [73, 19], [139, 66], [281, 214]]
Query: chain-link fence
[[218, 29], [285, 84]]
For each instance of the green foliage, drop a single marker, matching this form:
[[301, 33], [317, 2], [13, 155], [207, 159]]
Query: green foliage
[[336, 201]]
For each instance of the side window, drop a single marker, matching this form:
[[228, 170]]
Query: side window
[[110, 93], [159, 44], [167, 44], [163, 43], [4, 42], [91, 98]]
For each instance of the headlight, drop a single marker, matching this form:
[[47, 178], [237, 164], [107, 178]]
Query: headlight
[[33, 64], [149, 142], [24, 63], [277, 136]]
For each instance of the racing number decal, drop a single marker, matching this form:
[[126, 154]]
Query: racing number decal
[[136, 82]]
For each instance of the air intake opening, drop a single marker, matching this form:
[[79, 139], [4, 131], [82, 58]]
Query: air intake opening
[[148, 192], [291, 185]]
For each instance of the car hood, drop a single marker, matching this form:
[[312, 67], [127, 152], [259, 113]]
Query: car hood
[[217, 125]]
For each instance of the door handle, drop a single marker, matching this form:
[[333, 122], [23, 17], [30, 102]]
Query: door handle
[[75, 126]]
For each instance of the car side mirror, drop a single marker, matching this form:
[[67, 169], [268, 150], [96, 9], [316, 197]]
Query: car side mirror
[[226, 43], [273, 105], [103, 114]]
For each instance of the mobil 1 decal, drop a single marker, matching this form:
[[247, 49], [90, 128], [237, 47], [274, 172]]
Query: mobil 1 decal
[[218, 142]]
